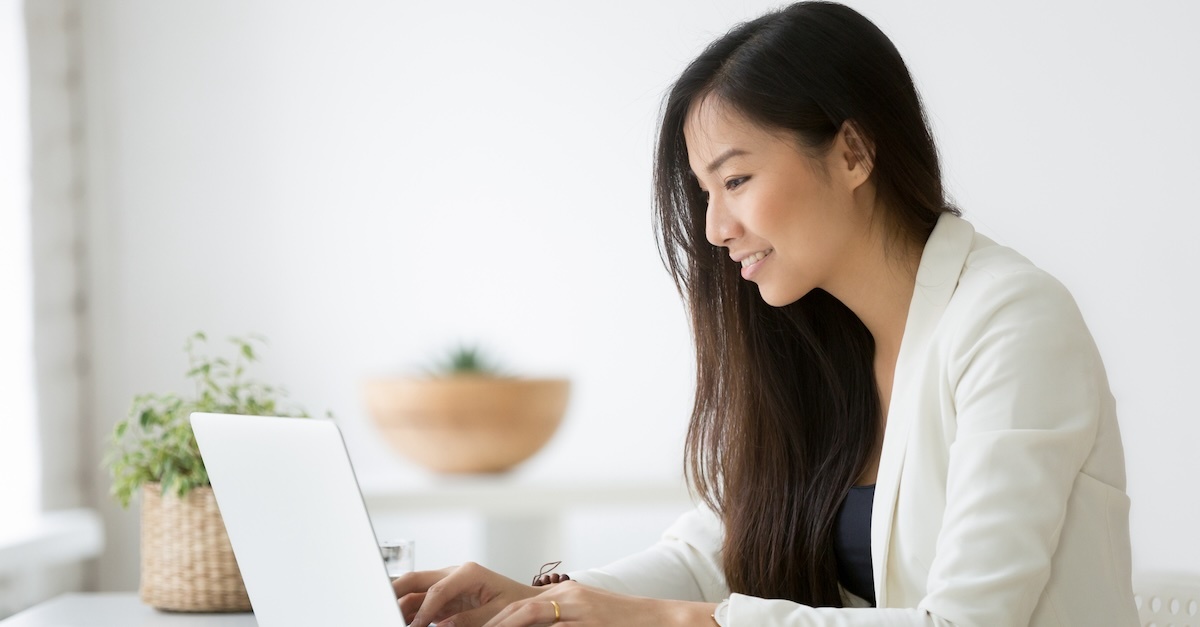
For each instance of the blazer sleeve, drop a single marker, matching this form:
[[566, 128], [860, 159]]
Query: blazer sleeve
[[1028, 388], [684, 565], [1027, 384]]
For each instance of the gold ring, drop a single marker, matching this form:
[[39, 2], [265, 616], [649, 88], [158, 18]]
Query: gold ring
[[557, 615]]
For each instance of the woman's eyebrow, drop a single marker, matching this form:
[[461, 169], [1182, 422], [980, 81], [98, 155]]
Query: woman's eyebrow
[[725, 156]]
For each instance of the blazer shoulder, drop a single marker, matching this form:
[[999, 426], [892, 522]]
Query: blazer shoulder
[[999, 288], [1000, 276]]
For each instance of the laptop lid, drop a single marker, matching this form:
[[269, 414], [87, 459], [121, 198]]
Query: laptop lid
[[296, 520]]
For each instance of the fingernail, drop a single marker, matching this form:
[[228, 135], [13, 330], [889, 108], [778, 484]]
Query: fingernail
[[446, 623]]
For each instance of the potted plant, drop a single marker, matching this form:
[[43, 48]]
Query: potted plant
[[187, 563], [465, 415]]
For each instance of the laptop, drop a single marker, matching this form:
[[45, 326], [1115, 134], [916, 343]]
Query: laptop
[[297, 521]]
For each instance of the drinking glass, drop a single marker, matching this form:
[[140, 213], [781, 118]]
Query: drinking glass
[[398, 556]]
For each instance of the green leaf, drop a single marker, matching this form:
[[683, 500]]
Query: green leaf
[[168, 480], [465, 360], [155, 442]]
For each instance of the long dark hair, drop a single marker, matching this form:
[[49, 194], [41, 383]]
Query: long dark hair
[[787, 408]]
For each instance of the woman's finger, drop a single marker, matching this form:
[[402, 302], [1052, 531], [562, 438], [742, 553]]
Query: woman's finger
[[409, 604], [529, 613], [503, 614], [463, 581], [418, 581], [470, 618]]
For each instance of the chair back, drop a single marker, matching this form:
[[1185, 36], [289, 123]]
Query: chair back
[[1168, 599]]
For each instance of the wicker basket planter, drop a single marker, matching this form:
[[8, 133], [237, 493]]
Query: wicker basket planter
[[187, 561]]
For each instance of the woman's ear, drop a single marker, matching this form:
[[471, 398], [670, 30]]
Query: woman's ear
[[856, 153]]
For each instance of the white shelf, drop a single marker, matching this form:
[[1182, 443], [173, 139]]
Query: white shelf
[[51, 538], [504, 495], [522, 515]]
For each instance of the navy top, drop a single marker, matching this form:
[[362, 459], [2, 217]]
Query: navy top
[[852, 542]]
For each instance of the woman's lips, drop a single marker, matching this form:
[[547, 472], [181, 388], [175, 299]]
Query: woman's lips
[[752, 264]]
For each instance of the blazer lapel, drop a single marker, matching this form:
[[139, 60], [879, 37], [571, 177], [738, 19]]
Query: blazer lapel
[[937, 277]]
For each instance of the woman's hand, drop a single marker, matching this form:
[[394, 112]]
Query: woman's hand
[[463, 596], [580, 605]]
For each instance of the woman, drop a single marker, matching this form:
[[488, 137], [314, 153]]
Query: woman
[[897, 421]]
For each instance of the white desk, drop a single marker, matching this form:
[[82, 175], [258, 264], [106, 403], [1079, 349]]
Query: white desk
[[116, 610], [522, 515], [522, 518]]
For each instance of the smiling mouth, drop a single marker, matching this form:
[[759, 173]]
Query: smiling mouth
[[756, 257]]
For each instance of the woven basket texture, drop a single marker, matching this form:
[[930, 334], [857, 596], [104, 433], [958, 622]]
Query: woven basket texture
[[187, 561]]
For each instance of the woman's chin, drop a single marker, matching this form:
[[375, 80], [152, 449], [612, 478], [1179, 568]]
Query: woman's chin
[[777, 298]]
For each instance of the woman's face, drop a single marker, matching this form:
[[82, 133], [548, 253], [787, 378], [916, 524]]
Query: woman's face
[[789, 220]]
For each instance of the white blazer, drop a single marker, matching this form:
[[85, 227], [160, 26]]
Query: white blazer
[[1000, 498]]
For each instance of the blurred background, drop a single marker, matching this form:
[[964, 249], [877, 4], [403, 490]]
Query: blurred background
[[369, 182]]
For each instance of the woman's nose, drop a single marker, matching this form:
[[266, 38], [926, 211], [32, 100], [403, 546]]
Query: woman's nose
[[720, 227]]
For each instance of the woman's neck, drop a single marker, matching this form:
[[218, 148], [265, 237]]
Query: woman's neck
[[877, 285]]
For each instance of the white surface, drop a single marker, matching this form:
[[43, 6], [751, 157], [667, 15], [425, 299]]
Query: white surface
[[503, 495], [368, 182], [18, 451], [524, 521], [116, 610], [51, 538], [296, 521]]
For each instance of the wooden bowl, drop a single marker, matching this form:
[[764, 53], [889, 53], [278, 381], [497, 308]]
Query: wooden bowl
[[467, 424]]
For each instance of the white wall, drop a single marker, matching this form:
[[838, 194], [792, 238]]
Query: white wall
[[18, 457], [367, 182]]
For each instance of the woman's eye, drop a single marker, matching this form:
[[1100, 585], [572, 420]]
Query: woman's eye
[[735, 183]]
